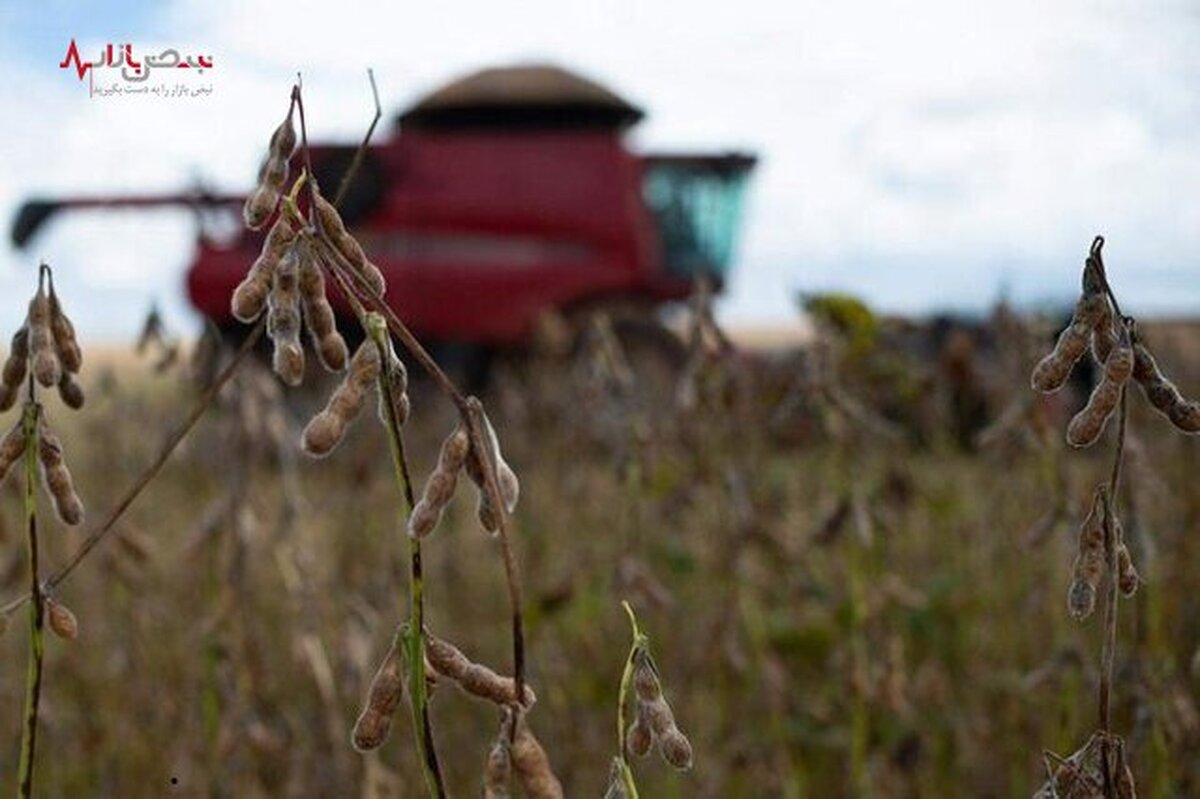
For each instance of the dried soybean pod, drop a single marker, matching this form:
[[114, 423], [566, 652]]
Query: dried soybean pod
[[331, 220], [1091, 309], [453, 453], [259, 206], [439, 489], [506, 479], [326, 429], [348, 246], [659, 716], [15, 368], [1081, 599], [318, 313], [61, 620], [66, 344], [676, 749], [1091, 529], [1119, 365], [1088, 568], [1089, 423], [1104, 332], [654, 712], [18, 357], [473, 678], [57, 478], [638, 738], [510, 486], [484, 510], [645, 677], [70, 392], [1093, 269], [1125, 785], [283, 139], [616, 782], [488, 517], [283, 321], [271, 176], [1052, 371], [532, 765], [497, 769], [250, 296], [387, 688], [396, 375], [8, 396], [1128, 578], [373, 277], [46, 368], [12, 447], [1184, 414]]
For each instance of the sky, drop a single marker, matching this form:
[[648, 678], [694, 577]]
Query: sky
[[927, 156]]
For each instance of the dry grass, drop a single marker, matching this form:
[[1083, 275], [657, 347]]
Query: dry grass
[[228, 632]]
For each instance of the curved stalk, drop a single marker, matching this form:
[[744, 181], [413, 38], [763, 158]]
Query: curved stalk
[[640, 642], [412, 632], [37, 608]]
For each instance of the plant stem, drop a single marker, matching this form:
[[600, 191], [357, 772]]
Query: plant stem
[[361, 152], [150, 472], [413, 635], [37, 608], [1108, 649], [351, 283], [476, 427], [1112, 598], [351, 286], [640, 642], [359, 294]]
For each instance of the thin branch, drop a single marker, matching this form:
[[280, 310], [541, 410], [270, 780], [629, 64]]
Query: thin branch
[[414, 639], [352, 284], [473, 416], [361, 152], [37, 610], [376, 329], [151, 471], [1112, 598], [374, 303]]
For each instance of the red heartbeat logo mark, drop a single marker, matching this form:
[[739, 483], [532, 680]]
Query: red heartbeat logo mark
[[73, 55]]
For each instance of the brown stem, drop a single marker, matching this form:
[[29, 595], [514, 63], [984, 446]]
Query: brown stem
[[473, 416], [419, 701], [470, 409], [151, 471], [37, 610], [356, 285], [344, 275], [1111, 496], [1096, 253], [361, 152], [1108, 649], [352, 284]]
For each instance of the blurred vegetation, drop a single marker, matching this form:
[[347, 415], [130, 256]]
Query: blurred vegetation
[[848, 597]]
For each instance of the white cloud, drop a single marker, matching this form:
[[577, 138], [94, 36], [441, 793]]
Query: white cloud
[[919, 152]]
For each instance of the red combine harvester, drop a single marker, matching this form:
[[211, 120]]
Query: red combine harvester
[[496, 198]]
